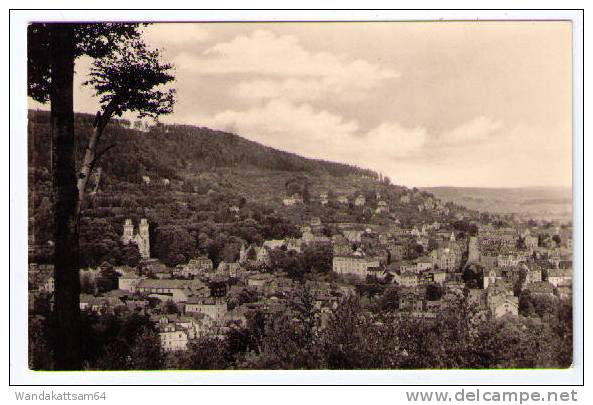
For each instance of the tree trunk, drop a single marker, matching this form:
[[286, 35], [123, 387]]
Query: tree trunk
[[87, 167], [66, 255], [90, 155]]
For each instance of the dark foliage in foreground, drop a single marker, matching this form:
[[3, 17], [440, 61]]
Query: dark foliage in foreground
[[353, 338]]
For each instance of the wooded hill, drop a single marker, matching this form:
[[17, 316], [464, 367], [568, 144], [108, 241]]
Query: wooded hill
[[197, 177], [168, 151]]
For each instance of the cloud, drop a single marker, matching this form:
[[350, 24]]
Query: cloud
[[476, 130], [298, 89], [284, 125], [263, 52], [294, 89], [284, 67], [409, 155], [300, 128]]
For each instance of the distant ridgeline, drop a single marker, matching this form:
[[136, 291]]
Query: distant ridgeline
[[168, 150], [531, 202]]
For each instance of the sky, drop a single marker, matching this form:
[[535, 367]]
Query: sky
[[473, 104]]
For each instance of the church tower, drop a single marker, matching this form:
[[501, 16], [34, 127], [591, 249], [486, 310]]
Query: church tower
[[128, 231], [141, 239]]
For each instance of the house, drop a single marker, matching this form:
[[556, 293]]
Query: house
[[444, 210], [98, 305], [532, 274], [137, 305], [410, 301], [423, 264], [162, 272], [309, 237], [353, 235], [382, 208], [503, 304], [359, 201], [292, 200], [173, 337], [259, 280], [560, 277], [474, 296], [358, 266], [438, 276], [175, 290], [433, 306], [294, 244], [376, 272], [149, 266], [498, 238], [195, 324], [87, 302], [343, 199], [316, 224], [47, 283], [213, 308], [455, 285], [419, 232], [120, 270], [541, 288], [262, 256], [508, 260], [407, 279], [128, 282], [564, 292], [236, 316], [341, 246], [230, 269], [257, 255], [416, 266], [274, 244], [196, 267], [489, 257], [491, 276], [405, 199], [531, 242], [323, 198], [218, 287], [396, 251], [325, 301]]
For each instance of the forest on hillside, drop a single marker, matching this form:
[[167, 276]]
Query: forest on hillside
[[197, 176], [168, 150]]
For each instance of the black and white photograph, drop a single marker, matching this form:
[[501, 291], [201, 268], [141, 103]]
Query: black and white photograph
[[300, 195]]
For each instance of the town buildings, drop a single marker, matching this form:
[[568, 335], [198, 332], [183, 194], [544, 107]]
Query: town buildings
[[207, 295]]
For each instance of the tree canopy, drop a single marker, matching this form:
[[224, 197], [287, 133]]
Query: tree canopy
[[95, 40], [131, 78]]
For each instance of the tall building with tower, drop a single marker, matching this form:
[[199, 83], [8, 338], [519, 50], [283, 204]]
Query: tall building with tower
[[141, 239]]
